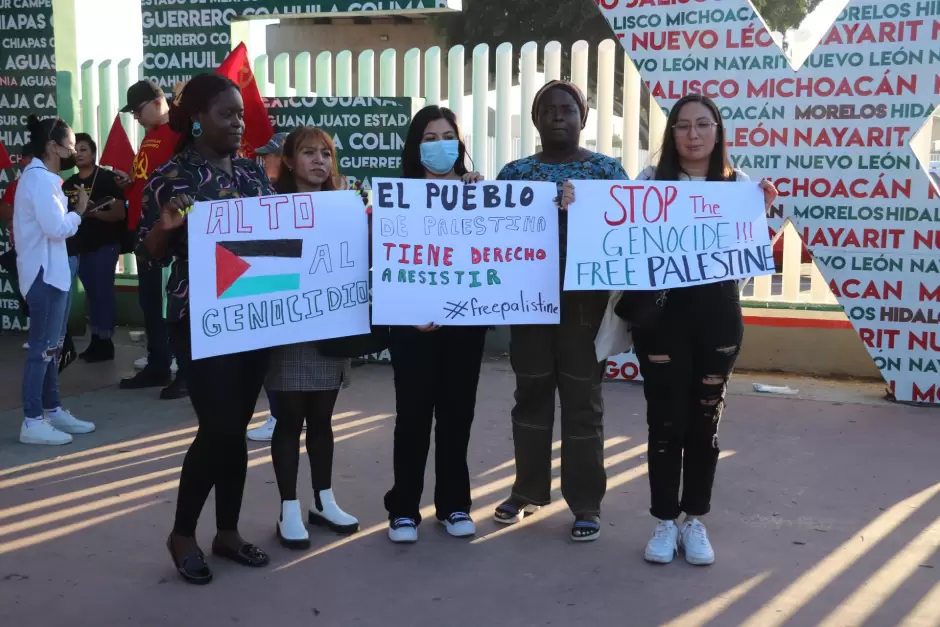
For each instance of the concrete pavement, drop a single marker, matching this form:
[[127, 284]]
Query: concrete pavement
[[826, 511]]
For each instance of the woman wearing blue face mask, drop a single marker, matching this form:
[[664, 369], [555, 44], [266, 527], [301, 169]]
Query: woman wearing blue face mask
[[436, 368]]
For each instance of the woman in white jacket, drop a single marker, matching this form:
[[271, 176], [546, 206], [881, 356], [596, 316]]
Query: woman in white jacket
[[42, 223]]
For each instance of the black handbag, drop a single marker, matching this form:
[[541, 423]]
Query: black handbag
[[642, 309]]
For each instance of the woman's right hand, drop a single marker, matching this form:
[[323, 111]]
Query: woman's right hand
[[81, 201], [428, 328], [173, 213], [567, 196]]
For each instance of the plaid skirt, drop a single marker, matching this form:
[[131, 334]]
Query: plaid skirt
[[300, 368]]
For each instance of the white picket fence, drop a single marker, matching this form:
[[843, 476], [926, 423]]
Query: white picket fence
[[104, 84]]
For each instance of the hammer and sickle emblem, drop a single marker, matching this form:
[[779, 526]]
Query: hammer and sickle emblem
[[140, 166], [245, 76]]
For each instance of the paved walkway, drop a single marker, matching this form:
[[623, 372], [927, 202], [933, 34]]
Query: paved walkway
[[827, 511]]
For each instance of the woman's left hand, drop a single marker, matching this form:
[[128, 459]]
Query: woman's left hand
[[471, 177], [567, 196], [770, 193]]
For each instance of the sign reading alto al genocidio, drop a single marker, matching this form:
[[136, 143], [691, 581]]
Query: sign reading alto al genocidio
[[647, 235], [456, 254], [277, 270]]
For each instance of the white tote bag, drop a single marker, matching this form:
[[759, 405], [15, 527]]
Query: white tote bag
[[613, 338]]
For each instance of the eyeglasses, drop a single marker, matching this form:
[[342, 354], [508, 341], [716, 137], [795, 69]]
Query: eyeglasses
[[702, 127]]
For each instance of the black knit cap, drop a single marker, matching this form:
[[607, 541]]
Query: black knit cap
[[567, 86]]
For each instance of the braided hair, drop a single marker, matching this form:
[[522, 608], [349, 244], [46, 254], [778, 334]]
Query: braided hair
[[195, 98]]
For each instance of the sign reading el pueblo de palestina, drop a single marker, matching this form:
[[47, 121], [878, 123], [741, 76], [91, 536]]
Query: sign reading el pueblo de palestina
[[449, 253], [277, 270]]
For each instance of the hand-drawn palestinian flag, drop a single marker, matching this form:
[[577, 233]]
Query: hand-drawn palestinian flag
[[257, 267]]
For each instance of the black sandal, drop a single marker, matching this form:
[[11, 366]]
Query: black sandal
[[193, 568], [586, 528], [512, 511], [247, 554]]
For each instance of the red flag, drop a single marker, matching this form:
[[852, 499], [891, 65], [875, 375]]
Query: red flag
[[118, 152], [258, 129], [4, 158]]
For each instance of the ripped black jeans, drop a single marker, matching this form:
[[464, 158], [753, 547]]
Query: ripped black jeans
[[686, 362]]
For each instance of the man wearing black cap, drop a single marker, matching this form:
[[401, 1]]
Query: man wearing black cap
[[271, 153], [146, 100]]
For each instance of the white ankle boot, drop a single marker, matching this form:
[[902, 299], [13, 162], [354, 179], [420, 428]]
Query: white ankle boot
[[326, 513], [291, 530]]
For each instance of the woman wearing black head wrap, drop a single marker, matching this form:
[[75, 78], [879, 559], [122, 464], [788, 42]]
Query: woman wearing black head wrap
[[223, 390], [561, 357]]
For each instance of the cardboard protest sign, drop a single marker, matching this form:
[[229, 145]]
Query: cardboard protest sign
[[277, 270], [456, 254], [652, 235]]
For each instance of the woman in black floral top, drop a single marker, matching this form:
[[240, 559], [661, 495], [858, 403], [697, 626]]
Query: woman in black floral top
[[209, 115], [560, 357]]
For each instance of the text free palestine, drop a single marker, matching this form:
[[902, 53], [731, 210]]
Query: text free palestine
[[698, 268]]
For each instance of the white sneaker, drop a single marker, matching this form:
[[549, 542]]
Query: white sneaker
[[41, 432], [291, 530], [264, 433], [459, 525], [663, 546], [63, 420], [141, 363], [324, 512], [26, 346], [694, 541], [403, 531]]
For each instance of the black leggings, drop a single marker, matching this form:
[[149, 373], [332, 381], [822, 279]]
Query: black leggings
[[292, 409], [223, 391]]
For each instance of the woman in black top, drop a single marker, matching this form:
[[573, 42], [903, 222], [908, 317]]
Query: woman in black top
[[437, 368], [209, 114], [97, 244], [687, 353]]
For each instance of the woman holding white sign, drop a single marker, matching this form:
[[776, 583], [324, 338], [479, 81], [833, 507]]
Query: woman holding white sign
[[304, 383], [687, 341], [436, 368], [562, 357], [209, 115]]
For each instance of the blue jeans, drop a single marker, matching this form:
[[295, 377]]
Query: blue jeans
[[47, 309], [150, 296], [96, 271], [73, 268]]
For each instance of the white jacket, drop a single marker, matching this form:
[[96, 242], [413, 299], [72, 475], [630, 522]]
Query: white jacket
[[42, 223]]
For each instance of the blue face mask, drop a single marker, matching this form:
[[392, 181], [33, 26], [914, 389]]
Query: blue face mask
[[439, 157]]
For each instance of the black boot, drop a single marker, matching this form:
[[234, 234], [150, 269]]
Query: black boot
[[175, 390], [104, 351], [67, 355], [92, 347]]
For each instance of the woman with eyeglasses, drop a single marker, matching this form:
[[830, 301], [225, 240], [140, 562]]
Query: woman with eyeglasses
[[687, 356]]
